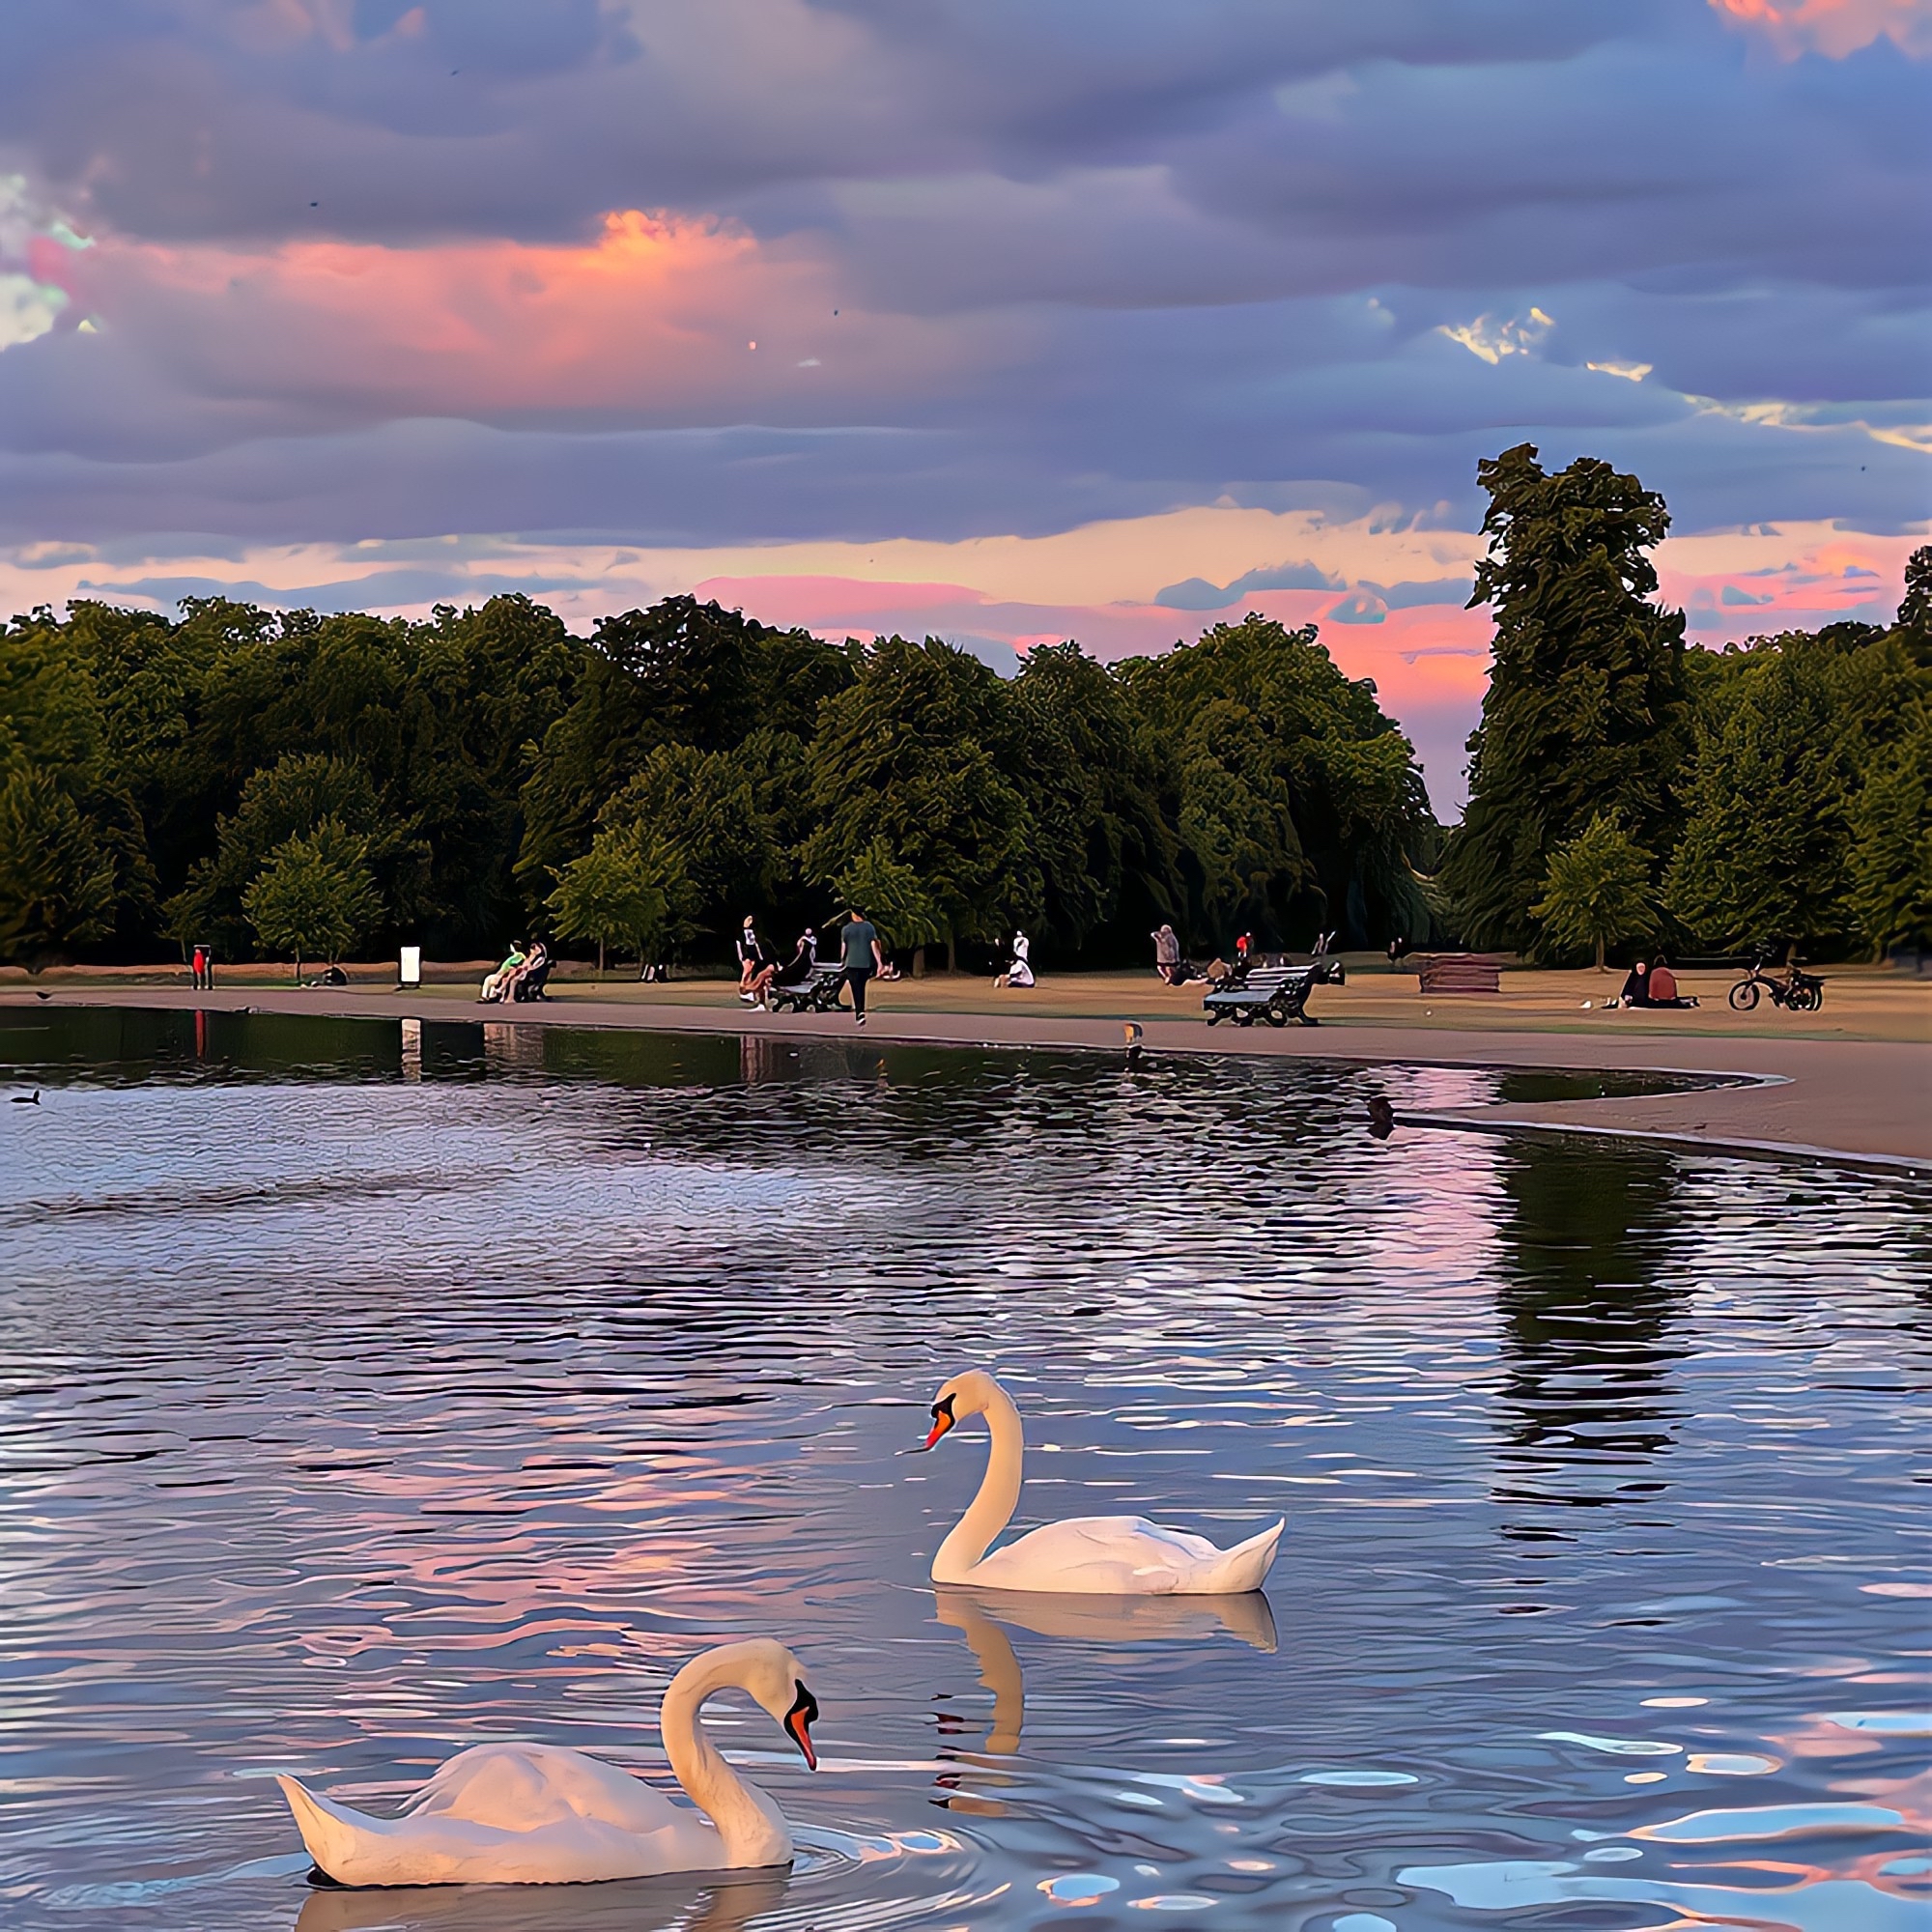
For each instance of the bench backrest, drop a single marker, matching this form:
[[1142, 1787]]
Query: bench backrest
[[1266, 980]]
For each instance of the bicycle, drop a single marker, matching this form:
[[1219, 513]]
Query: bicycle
[[1797, 993]]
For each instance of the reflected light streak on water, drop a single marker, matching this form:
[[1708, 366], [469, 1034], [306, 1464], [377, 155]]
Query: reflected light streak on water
[[363, 1399]]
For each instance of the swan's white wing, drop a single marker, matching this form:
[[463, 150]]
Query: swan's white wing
[[1124, 1557], [524, 1787], [1118, 1555], [511, 1814]]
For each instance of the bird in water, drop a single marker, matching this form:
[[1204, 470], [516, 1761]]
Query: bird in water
[[32, 1099], [1092, 1555], [1382, 1117], [535, 1814]]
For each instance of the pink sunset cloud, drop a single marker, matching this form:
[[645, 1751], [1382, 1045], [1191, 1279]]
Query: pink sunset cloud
[[659, 318], [1834, 27]]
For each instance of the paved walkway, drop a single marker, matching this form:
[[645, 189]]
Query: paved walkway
[[1868, 1101]]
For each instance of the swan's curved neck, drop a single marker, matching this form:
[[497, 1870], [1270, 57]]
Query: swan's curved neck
[[999, 1495], [750, 1824]]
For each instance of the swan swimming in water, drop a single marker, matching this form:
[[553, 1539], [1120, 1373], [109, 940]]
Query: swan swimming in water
[[1092, 1555], [534, 1814]]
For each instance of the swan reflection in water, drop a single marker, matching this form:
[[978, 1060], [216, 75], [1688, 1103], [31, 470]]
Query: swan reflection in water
[[618, 1905], [978, 1616]]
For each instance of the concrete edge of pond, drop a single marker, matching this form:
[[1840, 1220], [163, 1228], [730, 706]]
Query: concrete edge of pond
[[1859, 1103], [1901, 1166]]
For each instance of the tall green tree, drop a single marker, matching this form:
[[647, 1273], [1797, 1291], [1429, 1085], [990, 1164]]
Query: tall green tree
[[1107, 857], [679, 673], [57, 885], [292, 799], [919, 752], [1586, 710], [1889, 895], [891, 897], [729, 817], [1789, 729], [1297, 803], [1599, 891], [628, 889], [314, 895]]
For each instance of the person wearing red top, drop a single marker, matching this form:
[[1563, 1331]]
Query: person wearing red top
[[1663, 988]]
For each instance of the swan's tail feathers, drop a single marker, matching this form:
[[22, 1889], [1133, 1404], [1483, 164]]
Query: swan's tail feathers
[[330, 1831], [1246, 1565]]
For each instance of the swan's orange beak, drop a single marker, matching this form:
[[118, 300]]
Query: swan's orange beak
[[798, 1722], [942, 1420]]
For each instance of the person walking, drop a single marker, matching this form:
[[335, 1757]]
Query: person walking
[[863, 956], [200, 969], [1166, 954]]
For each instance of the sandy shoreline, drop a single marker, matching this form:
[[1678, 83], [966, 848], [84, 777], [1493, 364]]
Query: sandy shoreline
[[1862, 1099]]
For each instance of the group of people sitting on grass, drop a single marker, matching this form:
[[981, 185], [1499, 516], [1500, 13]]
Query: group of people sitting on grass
[[520, 975], [1650, 984]]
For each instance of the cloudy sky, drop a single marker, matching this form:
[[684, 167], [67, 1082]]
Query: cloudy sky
[[996, 319]]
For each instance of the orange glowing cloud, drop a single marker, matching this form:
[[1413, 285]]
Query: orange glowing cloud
[[658, 318], [1835, 27]]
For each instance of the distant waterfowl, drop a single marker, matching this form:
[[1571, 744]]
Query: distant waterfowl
[[534, 1814], [32, 1099], [1382, 1117], [1094, 1556]]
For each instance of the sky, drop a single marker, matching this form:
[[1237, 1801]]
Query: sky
[[995, 320]]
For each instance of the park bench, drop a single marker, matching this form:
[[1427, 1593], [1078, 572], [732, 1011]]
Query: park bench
[[816, 993], [1276, 994]]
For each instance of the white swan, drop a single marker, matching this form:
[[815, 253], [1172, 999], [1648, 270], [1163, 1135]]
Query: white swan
[[1090, 1555], [533, 1814]]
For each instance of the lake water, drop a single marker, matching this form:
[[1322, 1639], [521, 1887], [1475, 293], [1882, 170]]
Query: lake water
[[367, 1392]]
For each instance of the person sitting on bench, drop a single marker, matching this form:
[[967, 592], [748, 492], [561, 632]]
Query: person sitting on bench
[[510, 988], [493, 984], [527, 982]]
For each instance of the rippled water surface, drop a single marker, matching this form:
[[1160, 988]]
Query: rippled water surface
[[370, 1392]]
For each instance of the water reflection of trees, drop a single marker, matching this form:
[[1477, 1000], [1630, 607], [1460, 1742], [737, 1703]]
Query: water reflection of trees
[[1588, 1330]]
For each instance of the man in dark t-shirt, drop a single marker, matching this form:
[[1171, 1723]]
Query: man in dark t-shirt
[[862, 955]]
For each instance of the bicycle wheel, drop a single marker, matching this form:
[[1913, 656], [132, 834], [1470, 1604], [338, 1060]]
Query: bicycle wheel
[[1743, 996]]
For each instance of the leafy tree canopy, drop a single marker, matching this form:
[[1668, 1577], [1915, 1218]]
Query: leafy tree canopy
[[1597, 891], [314, 895], [1587, 709]]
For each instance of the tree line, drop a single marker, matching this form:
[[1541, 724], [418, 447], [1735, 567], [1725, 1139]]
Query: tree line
[[292, 782], [1628, 790], [280, 782]]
